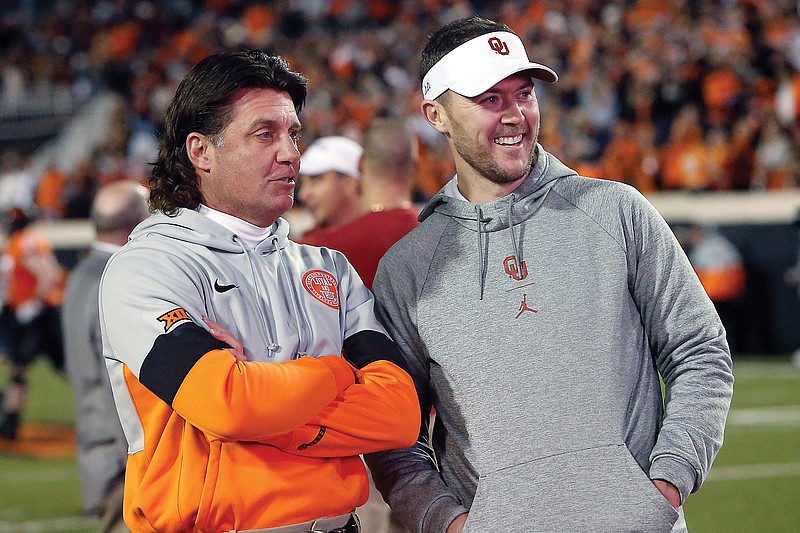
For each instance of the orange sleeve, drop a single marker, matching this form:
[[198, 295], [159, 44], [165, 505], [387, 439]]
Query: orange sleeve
[[380, 412], [258, 401]]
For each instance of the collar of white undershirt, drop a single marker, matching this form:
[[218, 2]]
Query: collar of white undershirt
[[250, 234], [451, 190]]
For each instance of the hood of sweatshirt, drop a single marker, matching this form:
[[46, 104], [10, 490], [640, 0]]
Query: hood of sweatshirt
[[502, 214], [192, 227]]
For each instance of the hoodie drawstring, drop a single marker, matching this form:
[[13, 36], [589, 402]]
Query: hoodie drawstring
[[273, 346], [482, 251], [481, 258], [302, 343]]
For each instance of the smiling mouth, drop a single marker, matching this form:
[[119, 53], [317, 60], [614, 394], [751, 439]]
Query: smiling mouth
[[509, 140]]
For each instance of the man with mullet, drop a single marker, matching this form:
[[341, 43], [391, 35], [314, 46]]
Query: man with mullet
[[249, 372]]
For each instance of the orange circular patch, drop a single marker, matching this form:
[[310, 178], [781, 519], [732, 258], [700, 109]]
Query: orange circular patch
[[322, 286]]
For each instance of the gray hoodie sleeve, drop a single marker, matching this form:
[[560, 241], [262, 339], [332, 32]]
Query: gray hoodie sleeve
[[688, 343], [408, 478]]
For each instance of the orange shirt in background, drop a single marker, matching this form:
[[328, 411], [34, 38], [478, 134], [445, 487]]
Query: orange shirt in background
[[31, 271]]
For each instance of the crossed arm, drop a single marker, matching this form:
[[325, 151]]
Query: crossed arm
[[375, 409]]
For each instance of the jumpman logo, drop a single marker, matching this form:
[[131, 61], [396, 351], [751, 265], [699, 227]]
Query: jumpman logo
[[524, 306]]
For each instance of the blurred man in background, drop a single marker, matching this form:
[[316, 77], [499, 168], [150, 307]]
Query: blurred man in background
[[102, 448], [329, 185], [33, 286], [387, 170], [721, 270]]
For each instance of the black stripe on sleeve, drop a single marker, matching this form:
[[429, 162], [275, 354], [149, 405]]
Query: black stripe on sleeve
[[368, 346], [172, 357]]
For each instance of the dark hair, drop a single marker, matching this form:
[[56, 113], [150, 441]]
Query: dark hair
[[203, 104], [452, 35]]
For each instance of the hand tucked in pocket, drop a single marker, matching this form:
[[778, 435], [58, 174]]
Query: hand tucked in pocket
[[670, 492]]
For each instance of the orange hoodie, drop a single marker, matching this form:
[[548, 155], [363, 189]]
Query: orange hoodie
[[216, 444], [263, 466]]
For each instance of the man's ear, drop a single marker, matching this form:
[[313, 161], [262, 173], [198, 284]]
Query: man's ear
[[436, 115], [197, 148]]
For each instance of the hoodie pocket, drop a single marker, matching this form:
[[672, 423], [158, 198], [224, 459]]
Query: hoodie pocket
[[596, 489]]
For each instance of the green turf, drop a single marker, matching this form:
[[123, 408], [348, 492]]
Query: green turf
[[27, 481], [744, 497], [756, 488], [44, 494], [50, 399]]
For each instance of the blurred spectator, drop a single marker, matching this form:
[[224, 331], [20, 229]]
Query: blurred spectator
[[49, 193], [33, 282], [718, 147], [80, 188], [102, 448], [329, 185], [17, 182], [684, 157], [721, 271], [741, 155], [773, 158], [628, 159], [386, 211]]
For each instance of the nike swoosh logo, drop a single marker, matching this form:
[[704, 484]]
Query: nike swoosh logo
[[223, 288]]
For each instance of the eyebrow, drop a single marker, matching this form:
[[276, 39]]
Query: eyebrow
[[272, 123], [524, 85]]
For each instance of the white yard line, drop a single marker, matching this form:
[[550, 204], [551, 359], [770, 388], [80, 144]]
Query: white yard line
[[46, 526], [766, 369], [787, 415], [44, 474], [757, 471]]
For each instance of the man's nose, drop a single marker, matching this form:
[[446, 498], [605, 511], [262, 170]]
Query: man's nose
[[289, 153], [513, 114]]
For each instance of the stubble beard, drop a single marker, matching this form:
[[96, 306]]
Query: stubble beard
[[488, 167]]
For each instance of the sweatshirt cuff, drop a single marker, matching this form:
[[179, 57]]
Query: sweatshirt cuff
[[441, 514], [676, 471]]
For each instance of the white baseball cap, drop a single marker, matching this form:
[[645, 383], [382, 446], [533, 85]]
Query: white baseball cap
[[336, 153], [478, 64]]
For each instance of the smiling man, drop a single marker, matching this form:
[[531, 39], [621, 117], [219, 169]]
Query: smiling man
[[249, 372], [537, 310]]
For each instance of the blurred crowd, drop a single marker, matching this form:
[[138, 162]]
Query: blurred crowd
[[661, 94]]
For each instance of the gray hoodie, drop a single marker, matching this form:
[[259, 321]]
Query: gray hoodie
[[537, 325]]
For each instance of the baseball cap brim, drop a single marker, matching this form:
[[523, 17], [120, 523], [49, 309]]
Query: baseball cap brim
[[334, 153], [477, 65]]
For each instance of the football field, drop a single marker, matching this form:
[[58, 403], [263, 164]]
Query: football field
[[754, 485]]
